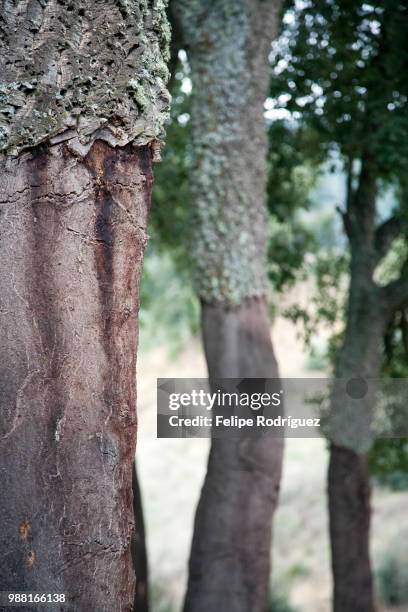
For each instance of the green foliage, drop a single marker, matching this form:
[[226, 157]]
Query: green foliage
[[170, 220], [169, 308], [341, 68], [340, 72], [389, 456], [293, 164], [327, 304], [169, 311], [390, 268], [389, 463], [293, 168], [288, 245]]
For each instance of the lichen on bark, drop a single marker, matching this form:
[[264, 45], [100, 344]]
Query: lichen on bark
[[85, 69], [228, 42]]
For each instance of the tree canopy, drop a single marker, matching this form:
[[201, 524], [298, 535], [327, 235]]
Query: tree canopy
[[341, 67]]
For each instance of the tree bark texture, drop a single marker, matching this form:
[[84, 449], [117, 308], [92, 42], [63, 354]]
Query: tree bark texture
[[228, 44], [72, 234], [83, 102], [81, 70]]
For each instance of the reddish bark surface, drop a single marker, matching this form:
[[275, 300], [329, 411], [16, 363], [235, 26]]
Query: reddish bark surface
[[72, 235]]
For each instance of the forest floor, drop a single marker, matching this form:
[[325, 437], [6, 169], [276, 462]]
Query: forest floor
[[172, 472]]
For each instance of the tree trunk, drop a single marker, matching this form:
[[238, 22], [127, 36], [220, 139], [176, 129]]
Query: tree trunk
[[72, 240], [230, 556], [228, 44], [350, 511], [348, 477], [83, 101], [370, 308]]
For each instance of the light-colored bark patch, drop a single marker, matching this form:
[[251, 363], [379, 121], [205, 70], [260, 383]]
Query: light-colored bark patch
[[83, 69]]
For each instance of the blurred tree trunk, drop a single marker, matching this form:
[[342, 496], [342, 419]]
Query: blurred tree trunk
[[82, 104], [370, 308], [228, 44], [348, 478], [230, 555], [139, 549]]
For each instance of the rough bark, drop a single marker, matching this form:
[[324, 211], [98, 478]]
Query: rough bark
[[83, 102], [86, 69], [230, 556], [72, 240], [228, 44]]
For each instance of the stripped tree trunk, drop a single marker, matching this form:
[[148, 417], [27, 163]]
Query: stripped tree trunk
[[72, 239], [230, 555], [228, 44], [82, 105]]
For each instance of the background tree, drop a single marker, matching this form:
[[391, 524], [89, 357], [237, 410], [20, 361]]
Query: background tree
[[341, 69], [228, 45], [83, 104]]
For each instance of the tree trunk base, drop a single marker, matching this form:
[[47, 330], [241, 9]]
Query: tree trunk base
[[349, 511]]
